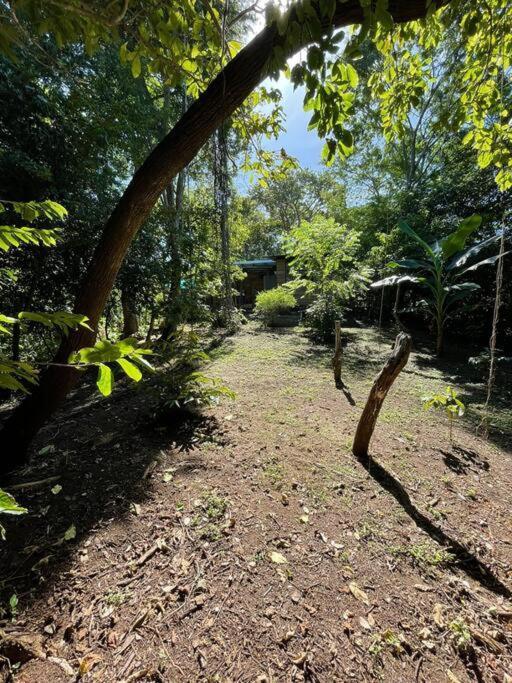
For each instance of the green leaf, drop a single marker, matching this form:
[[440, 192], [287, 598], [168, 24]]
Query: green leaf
[[395, 280], [406, 229], [136, 66], [9, 506], [486, 262], [131, 370], [410, 263], [105, 381], [70, 533], [460, 259], [456, 241]]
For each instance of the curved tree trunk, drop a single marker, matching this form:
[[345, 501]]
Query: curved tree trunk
[[222, 97], [382, 384]]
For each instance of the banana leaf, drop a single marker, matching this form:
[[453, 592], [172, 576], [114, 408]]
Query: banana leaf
[[460, 259], [456, 241], [486, 262], [406, 229], [395, 280], [410, 263]]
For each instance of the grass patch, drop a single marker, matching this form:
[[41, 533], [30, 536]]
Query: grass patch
[[425, 555], [274, 472]]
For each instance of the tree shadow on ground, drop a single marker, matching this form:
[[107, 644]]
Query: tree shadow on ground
[[465, 559], [461, 460], [346, 392], [100, 453]]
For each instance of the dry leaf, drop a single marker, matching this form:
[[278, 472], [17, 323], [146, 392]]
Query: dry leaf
[[88, 662], [278, 558], [438, 614], [358, 593], [365, 624]]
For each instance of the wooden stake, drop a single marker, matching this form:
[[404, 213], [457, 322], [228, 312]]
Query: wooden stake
[[382, 384], [336, 359]]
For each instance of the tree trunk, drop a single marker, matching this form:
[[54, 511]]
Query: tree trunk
[[439, 337], [173, 201], [338, 351], [130, 318], [382, 384], [221, 201], [222, 97]]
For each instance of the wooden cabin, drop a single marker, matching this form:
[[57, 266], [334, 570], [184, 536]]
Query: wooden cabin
[[261, 274]]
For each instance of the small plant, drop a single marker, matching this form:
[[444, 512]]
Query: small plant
[[425, 555], [386, 640], [449, 403], [272, 303], [115, 598], [215, 506], [274, 472], [460, 634]]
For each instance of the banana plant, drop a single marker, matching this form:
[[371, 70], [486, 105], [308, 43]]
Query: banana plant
[[440, 270]]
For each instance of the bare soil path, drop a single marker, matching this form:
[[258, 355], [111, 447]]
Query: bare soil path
[[250, 545]]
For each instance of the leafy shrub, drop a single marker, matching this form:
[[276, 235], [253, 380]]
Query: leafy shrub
[[448, 402], [274, 302], [321, 316], [181, 384]]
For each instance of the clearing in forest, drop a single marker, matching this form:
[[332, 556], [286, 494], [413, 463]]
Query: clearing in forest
[[250, 545]]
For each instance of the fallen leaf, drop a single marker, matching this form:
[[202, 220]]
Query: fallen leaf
[[438, 614], [47, 449], [87, 663], [70, 533], [365, 624], [358, 593], [278, 558]]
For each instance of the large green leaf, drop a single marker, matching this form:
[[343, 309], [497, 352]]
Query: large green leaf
[[455, 293], [486, 262], [460, 259], [395, 280], [130, 369], [407, 230], [456, 241], [9, 506], [105, 381], [410, 263]]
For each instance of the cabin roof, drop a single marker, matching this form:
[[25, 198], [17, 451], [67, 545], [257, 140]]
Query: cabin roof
[[257, 263]]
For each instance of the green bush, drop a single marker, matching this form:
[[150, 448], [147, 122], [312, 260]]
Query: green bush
[[274, 302]]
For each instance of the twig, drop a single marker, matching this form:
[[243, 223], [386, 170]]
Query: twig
[[33, 484]]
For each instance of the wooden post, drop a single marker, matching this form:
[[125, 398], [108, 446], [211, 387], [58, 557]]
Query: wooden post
[[382, 384], [336, 359]]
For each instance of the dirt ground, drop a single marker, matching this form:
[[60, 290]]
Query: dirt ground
[[249, 544]]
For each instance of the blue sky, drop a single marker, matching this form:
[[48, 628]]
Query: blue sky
[[297, 141], [305, 145]]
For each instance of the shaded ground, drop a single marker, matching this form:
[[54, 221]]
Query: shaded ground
[[250, 545]]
